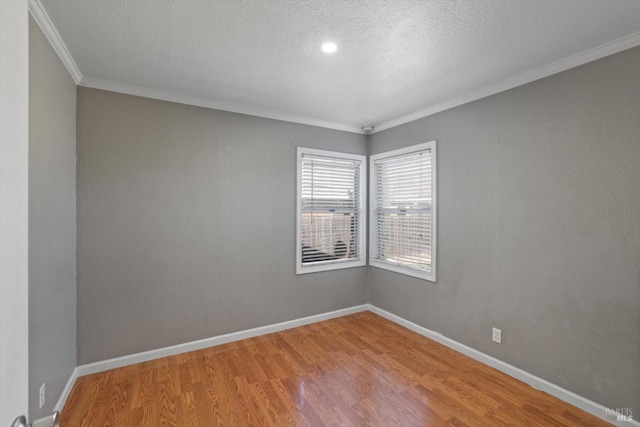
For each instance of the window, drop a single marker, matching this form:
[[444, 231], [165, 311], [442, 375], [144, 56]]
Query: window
[[330, 227], [403, 211]]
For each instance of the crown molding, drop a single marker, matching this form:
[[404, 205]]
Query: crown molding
[[209, 103], [44, 22], [581, 58]]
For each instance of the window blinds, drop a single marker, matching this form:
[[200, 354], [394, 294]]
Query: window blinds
[[330, 209], [402, 210]]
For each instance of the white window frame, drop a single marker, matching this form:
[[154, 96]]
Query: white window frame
[[362, 220], [373, 241]]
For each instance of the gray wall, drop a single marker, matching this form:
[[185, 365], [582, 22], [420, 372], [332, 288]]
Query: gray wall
[[186, 223], [52, 222], [539, 229]]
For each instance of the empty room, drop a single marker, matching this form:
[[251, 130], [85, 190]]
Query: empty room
[[319, 213]]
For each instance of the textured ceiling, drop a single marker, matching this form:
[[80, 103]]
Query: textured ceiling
[[395, 57]]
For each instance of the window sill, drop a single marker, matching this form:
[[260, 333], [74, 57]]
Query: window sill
[[428, 276], [328, 266]]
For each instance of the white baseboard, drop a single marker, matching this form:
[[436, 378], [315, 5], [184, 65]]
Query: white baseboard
[[119, 362], [66, 391], [587, 405], [535, 382]]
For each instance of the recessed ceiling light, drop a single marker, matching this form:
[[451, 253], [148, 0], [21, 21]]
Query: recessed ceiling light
[[329, 47]]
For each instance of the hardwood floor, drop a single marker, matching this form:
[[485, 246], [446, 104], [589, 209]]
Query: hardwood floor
[[355, 370]]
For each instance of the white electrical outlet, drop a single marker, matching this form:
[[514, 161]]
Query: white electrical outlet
[[497, 335], [41, 395]]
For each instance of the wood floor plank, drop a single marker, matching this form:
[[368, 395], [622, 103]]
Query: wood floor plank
[[143, 416], [166, 404], [357, 370]]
